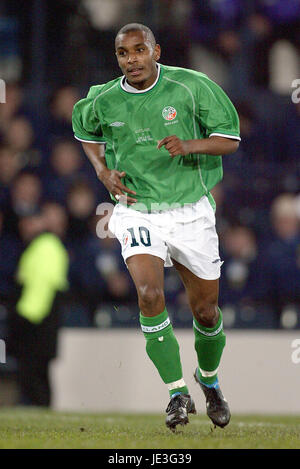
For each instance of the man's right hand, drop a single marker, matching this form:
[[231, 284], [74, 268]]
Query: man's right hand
[[111, 178], [112, 181]]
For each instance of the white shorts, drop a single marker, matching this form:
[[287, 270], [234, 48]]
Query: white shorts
[[186, 234]]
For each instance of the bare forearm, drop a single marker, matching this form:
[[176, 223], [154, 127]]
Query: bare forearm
[[207, 146], [96, 155], [111, 178], [213, 146]]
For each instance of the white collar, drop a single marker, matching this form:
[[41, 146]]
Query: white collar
[[131, 89]]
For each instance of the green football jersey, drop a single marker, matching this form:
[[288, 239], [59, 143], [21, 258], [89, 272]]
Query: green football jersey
[[182, 102]]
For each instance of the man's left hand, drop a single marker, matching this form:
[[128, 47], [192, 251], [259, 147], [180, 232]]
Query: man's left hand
[[175, 145]]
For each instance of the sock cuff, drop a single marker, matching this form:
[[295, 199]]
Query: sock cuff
[[210, 331], [155, 323], [176, 384]]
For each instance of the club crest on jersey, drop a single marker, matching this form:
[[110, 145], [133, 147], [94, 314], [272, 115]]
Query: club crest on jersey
[[169, 113]]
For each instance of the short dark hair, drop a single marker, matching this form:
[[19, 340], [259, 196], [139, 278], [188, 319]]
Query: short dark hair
[[138, 27]]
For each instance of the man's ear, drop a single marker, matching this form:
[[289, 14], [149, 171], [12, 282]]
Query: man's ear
[[157, 52]]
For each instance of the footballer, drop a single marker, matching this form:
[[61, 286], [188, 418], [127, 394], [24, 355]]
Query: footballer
[[155, 137]]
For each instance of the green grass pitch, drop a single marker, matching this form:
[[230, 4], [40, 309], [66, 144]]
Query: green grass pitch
[[35, 428]]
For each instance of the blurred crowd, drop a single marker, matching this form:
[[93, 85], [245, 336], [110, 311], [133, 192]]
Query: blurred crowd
[[42, 168]]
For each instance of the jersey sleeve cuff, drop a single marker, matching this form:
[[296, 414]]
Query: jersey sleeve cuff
[[222, 134], [92, 140]]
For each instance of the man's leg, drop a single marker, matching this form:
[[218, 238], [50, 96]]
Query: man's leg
[[34, 380], [209, 339], [147, 272]]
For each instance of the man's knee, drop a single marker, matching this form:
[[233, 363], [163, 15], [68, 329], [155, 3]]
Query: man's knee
[[151, 299], [206, 312]]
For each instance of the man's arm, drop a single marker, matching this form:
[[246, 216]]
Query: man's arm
[[96, 155], [110, 178], [209, 146]]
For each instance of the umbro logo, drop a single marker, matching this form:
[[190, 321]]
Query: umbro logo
[[117, 124]]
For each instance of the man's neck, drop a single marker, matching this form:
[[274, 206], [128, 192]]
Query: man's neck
[[136, 88]]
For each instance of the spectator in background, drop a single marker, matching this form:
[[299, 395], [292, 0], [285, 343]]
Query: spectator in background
[[240, 253], [289, 140], [65, 166], [81, 206], [226, 212], [210, 19], [34, 320], [25, 198], [9, 243], [61, 105], [10, 250], [97, 273], [20, 137], [10, 165], [280, 274], [97, 32], [85, 283], [257, 140], [259, 152], [233, 39], [12, 107], [108, 262], [56, 218], [10, 62], [221, 44], [172, 18], [272, 21]]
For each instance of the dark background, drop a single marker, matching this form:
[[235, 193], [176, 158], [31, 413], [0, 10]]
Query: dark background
[[52, 51]]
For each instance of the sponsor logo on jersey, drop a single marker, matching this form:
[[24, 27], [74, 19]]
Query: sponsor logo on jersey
[[169, 113], [117, 124]]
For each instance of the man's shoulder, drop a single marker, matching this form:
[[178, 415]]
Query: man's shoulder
[[96, 91], [184, 75]]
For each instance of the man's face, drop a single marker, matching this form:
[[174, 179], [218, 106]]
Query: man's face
[[137, 58]]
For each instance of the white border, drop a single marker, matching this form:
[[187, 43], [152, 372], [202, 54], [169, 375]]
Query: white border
[[130, 89], [89, 141], [225, 135]]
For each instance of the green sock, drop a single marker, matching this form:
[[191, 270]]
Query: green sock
[[163, 349], [209, 344]]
